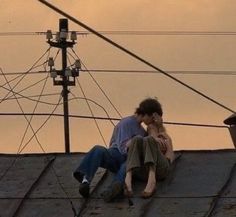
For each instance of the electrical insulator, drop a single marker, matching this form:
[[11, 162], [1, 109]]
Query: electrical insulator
[[77, 64], [73, 36], [57, 36], [50, 62], [68, 72], [75, 72], [53, 73], [49, 35]]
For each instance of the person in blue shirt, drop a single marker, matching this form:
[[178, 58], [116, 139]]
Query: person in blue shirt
[[114, 157]]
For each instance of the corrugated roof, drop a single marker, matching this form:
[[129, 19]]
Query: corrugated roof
[[202, 183]]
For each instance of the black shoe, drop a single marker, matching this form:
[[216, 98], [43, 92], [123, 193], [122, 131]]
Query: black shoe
[[112, 192], [78, 176], [84, 189]]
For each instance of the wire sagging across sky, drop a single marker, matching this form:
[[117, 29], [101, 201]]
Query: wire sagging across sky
[[135, 56], [133, 33]]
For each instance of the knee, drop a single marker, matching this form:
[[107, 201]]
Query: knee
[[98, 149], [149, 140], [136, 141]]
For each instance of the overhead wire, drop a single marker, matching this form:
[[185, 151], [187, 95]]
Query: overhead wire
[[91, 111], [35, 96], [20, 91], [22, 77], [99, 86], [32, 85], [130, 53], [22, 73], [133, 33], [25, 73], [29, 122], [62, 185], [42, 125], [53, 169], [112, 118], [35, 107], [181, 72], [99, 105], [133, 71], [34, 135], [13, 79], [23, 96], [18, 151], [21, 108]]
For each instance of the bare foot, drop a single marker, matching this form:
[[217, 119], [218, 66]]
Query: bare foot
[[150, 187], [151, 184], [128, 181]]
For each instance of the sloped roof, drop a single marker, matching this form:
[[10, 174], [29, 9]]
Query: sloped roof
[[202, 183]]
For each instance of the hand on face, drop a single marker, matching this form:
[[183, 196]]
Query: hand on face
[[157, 119]]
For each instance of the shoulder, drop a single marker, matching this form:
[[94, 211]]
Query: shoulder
[[165, 136], [128, 120]]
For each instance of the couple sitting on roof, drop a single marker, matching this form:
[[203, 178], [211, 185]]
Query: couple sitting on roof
[[132, 151]]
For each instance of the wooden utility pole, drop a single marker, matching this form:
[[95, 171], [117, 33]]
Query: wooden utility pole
[[66, 74]]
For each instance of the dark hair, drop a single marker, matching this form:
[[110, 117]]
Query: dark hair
[[149, 106]]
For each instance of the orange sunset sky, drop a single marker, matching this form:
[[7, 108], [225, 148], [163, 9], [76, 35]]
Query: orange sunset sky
[[170, 52]]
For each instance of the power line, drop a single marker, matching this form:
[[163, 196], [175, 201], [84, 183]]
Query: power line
[[183, 72], [21, 108], [133, 33], [95, 81], [34, 134], [22, 96], [31, 117], [135, 56], [91, 111], [23, 73], [35, 96], [99, 105], [99, 86], [42, 125], [32, 67], [133, 71], [112, 118]]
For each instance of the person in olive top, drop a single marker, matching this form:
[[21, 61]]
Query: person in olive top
[[114, 157]]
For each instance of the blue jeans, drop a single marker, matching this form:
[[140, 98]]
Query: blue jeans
[[107, 158]]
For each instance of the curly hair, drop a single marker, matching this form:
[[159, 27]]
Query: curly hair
[[149, 106]]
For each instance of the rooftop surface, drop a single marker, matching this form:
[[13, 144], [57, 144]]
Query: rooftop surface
[[201, 184]]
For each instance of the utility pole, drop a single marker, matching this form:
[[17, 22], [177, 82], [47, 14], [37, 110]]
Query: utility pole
[[66, 74]]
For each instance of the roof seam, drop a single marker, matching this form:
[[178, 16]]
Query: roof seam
[[158, 197], [146, 207], [33, 186], [218, 196], [84, 203]]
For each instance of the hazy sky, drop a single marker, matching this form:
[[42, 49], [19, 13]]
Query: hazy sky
[[126, 90]]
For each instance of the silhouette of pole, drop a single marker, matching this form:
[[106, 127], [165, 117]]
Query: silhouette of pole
[[67, 75], [65, 98]]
